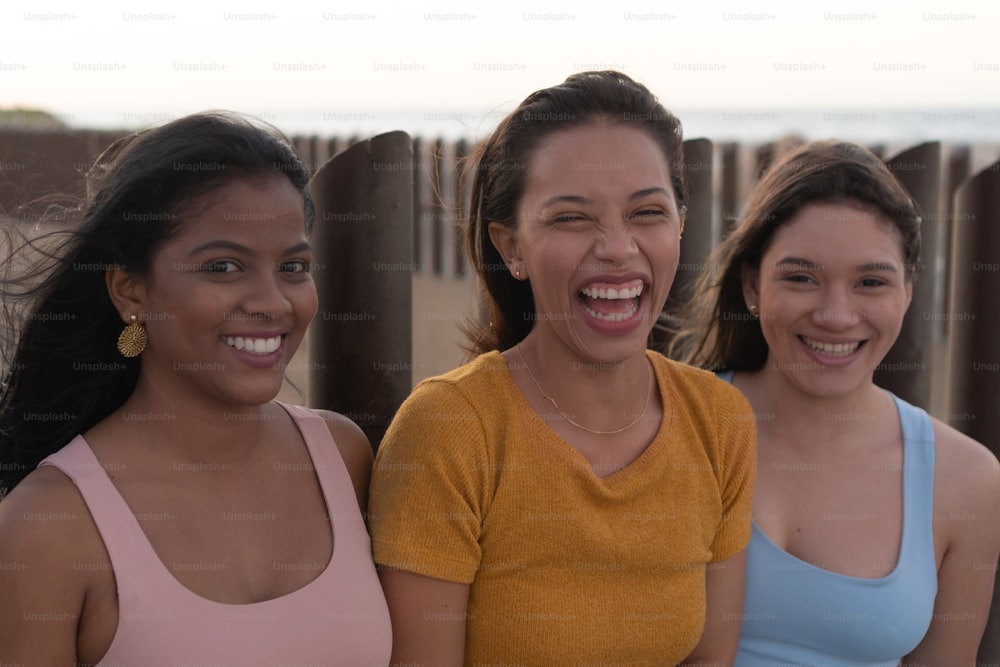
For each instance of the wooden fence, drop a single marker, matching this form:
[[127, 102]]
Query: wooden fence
[[946, 359], [388, 210]]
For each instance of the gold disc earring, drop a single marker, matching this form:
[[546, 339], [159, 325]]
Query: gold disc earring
[[132, 340]]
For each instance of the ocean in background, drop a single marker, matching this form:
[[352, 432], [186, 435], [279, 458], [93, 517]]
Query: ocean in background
[[890, 130], [869, 126]]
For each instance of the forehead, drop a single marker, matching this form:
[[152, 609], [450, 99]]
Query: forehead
[[596, 154], [838, 231], [254, 205]]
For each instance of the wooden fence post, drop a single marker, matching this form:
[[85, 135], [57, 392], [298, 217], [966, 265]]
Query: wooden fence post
[[907, 369], [974, 329], [699, 167], [974, 315], [973, 320], [360, 342], [729, 190], [458, 211]]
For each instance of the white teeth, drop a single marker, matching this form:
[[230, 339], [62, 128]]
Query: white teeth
[[612, 293], [254, 345], [612, 317], [832, 349]]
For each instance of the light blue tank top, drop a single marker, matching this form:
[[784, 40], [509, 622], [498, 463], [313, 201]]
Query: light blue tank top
[[796, 613]]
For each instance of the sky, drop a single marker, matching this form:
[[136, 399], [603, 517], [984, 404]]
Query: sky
[[135, 65]]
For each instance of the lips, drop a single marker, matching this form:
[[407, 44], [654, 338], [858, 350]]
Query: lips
[[254, 345], [612, 302], [832, 349]]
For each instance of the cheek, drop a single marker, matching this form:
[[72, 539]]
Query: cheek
[[306, 300]]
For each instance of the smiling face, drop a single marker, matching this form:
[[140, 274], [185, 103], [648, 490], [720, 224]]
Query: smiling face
[[597, 235], [228, 298], [831, 293]]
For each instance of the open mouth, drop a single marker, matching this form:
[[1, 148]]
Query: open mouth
[[260, 346], [832, 349], [612, 303]]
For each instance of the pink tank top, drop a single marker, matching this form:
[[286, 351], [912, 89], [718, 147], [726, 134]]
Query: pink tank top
[[340, 618]]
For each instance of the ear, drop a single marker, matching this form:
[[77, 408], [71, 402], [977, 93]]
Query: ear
[[504, 239], [750, 279], [909, 294], [127, 291]]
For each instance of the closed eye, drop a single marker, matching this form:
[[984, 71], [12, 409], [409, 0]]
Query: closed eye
[[650, 215], [568, 217]]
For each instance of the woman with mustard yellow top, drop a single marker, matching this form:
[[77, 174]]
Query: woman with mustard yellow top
[[569, 497]]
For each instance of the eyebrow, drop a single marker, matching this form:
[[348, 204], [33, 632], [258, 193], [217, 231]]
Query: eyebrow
[[809, 264], [237, 247], [878, 266], [798, 262], [639, 194], [578, 199]]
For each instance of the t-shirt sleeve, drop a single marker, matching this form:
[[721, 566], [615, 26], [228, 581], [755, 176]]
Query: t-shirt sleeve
[[737, 467], [428, 487]]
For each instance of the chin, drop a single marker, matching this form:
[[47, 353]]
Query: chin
[[251, 396]]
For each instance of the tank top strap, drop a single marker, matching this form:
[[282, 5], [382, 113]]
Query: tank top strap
[[136, 565], [918, 484], [334, 478]]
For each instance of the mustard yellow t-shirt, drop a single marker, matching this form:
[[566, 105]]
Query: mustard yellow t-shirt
[[566, 568]]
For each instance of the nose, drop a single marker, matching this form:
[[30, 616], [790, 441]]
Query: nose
[[615, 243], [264, 298], [837, 310]]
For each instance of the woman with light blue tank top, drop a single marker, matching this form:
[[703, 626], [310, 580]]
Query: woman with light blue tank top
[[874, 537], [839, 620]]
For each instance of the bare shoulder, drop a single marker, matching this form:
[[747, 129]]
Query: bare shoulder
[[354, 448], [45, 534], [45, 524], [967, 474], [351, 440], [45, 504]]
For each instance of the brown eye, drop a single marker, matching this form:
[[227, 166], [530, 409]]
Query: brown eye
[[295, 266], [220, 266]]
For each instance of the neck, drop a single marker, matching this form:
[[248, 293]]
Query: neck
[[597, 396], [193, 430], [787, 414]]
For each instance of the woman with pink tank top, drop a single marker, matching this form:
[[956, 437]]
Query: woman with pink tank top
[[159, 507]]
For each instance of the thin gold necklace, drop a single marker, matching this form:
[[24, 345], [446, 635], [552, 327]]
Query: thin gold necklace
[[570, 419]]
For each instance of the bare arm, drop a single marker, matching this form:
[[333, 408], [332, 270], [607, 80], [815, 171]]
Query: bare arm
[[724, 589], [967, 501], [43, 594], [354, 448], [428, 618]]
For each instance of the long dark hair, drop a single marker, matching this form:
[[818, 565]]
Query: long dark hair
[[63, 372], [719, 331], [497, 172]]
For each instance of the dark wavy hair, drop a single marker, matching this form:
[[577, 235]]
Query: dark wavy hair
[[719, 331], [63, 372], [497, 169]]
